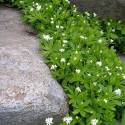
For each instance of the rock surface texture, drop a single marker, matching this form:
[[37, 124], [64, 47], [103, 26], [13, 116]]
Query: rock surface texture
[[104, 8], [28, 93]]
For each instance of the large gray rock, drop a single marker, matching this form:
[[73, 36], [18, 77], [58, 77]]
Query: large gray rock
[[104, 8], [28, 93]]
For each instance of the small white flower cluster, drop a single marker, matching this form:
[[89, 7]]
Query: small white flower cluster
[[87, 13], [119, 67], [67, 1], [99, 63], [53, 67], [94, 122], [94, 14], [83, 37], [78, 71], [67, 120], [118, 91], [49, 121], [63, 60], [65, 41], [61, 50], [59, 27], [105, 100], [35, 6], [47, 37], [78, 89], [107, 68]]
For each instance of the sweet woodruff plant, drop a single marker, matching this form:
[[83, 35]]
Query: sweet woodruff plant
[[80, 50]]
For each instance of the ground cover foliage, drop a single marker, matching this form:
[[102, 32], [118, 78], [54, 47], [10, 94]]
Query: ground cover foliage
[[80, 50]]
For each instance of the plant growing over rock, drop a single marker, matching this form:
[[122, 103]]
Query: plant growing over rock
[[75, 47]]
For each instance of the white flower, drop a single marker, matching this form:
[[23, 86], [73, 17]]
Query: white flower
[[62, 50], [107, 68], [50, 6], [94, 14], [68, 64], [105, 100], [113, 30], [100, 41], [87, 13], [67, 1], [100, 51], [119, 67], [110, 73], [63, 60], [94, 83], [57, 26], [102, 32], [52, 22], [68, 120], [53, 66], [65, 41], [38, 7], [78, 89], [118, 92], [31, 9], [94, 121], [108, 23], [89, 74], [47, 37], [123, 76], [99, 63], [83, 37], [111, 40], [75, 10], [21, 1], [78, 71], [75, 58], [61, 27], [63, 34], [49, 121]]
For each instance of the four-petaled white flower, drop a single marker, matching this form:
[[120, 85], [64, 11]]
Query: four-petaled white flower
[[47, 37], [62, 50], [53, 66], [68, 120], [78, 71], [65, 41], [63, 60], [78, 89], [49, 121], [94, 121], [99, 63], [118, 91]]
